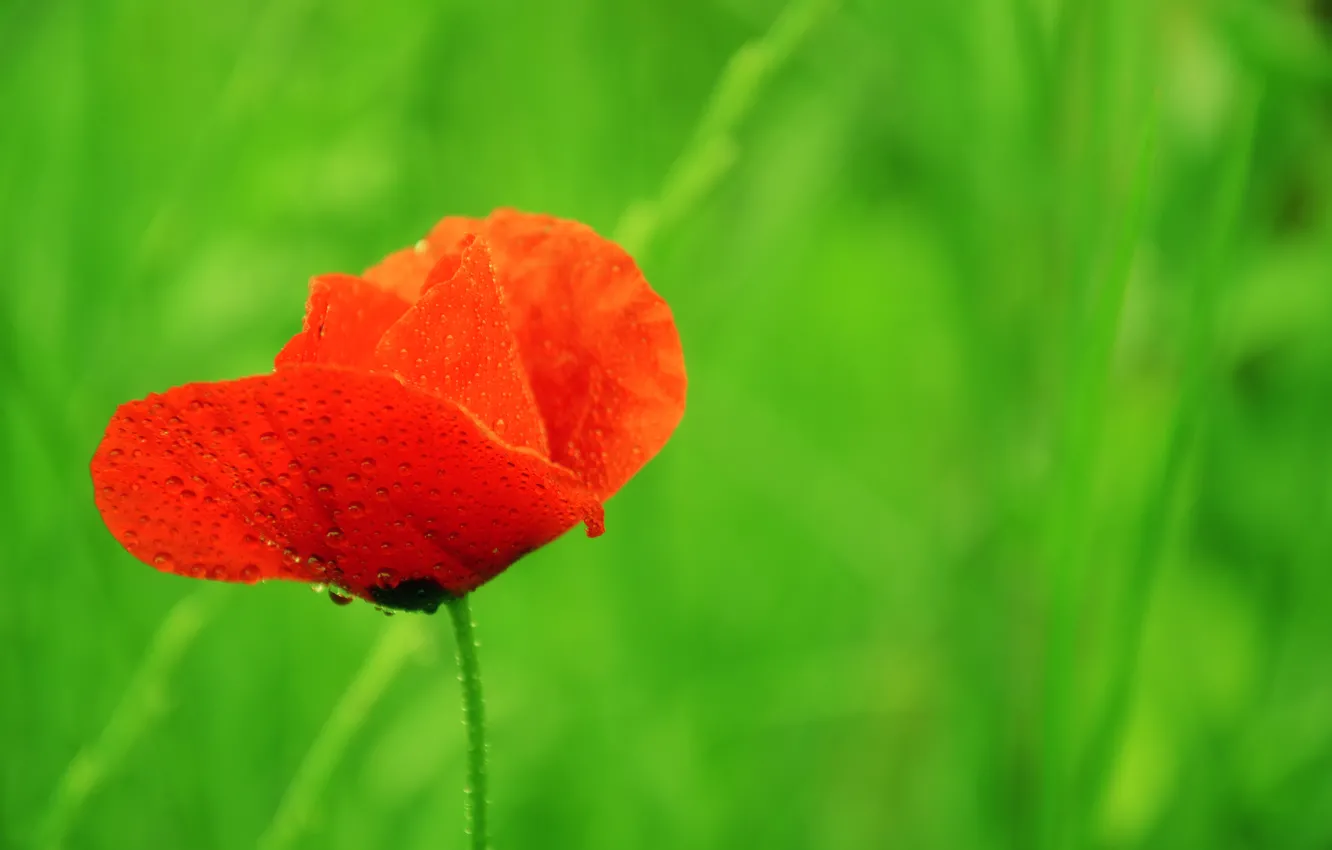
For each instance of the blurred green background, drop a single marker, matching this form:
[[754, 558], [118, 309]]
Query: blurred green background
[[1001, 515]]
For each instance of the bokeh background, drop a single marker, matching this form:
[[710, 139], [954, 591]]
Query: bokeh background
[[1001, 516]]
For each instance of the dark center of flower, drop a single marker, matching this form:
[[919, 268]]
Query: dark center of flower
[[415, 594]]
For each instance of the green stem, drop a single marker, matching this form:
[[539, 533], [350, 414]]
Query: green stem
[[1070, 511], [474, 718], [1160, 510], [143, 703]]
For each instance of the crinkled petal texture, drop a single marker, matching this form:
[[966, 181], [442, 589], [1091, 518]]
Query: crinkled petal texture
[[466, 401], [600, 348], [324, 474]]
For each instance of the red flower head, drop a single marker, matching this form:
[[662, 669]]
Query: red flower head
[[466, 401]]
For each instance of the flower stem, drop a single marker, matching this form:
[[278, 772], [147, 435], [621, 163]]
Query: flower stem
[[474, 718]]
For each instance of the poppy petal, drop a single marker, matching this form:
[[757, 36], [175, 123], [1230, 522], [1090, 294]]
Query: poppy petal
[[403, 272], [455, 342], [345, 317], [317, 473], [157, 503], [600, 346]]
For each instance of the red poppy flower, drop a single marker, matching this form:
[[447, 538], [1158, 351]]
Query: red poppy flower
[[466, 401]]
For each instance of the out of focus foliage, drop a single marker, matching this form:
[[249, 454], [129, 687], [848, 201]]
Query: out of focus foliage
[[1001, 516]]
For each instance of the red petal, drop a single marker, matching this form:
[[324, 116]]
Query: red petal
[[403, 272], [358, 479], [601, 349], [344, 320], [455, 342]]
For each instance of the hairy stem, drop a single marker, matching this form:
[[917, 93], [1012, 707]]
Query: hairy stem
[[474, 718]]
